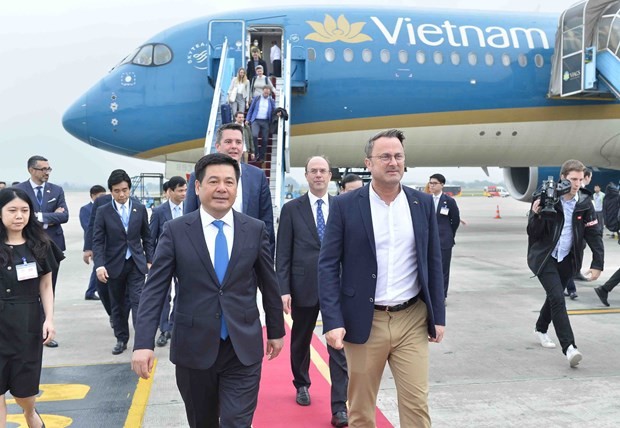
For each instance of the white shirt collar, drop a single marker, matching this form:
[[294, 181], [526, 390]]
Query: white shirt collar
[[375, 195], [313, 198], [35, 185], [207, 218]]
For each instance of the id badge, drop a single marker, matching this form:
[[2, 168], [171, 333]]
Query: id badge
[[26, 271], [444, 211]]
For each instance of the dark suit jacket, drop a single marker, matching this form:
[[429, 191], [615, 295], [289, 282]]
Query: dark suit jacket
[[447, 224], [182, 252], [53, 198], [159, 216], [99, 202], [253, 110], [256, 198], [348, 263], [85, 212], [251, 72], [298, 250], [110, 241]]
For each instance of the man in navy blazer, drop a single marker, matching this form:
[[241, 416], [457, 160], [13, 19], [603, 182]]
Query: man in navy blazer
[[169, 210], [380, 285], [448, 221], [221, 259], [259, 116], [85, 212], [254, 196], [50, 207], [123, 253]]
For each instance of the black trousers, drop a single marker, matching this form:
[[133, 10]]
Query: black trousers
[[130, 282], [554, 278], [304, 321], [446, 258], [613, 281], [223, 396], [277, 68]]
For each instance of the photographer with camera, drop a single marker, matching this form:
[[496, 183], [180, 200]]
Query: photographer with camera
[[561, 217]]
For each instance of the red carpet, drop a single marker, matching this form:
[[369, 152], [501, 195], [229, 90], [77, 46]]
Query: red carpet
[[276, 399]]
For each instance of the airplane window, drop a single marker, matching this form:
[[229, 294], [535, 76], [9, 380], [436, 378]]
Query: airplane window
[[489, 59], [522, 60], [506, 60], [385, 55], [163, 55], [330, 55], [420, 57], [145, 56], [367, 55], [472, 58], [403, 56], [539, 60], [455, 58], [348, 55], [438, 57], [311, 54]]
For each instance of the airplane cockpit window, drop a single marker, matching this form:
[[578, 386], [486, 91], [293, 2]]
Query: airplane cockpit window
[[522, 60], [455, 58], [163, 55], [385, 56], [472, 58], [489, 60], [311, 54], [348, 54], [145, 56], [128, 58], [330, 55], [403, 56], [539, 60], [438, 57], [367, 55], [506, 60], [420, 57]]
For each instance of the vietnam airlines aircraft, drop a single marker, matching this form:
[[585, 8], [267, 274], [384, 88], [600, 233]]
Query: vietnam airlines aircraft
[[468, 88]]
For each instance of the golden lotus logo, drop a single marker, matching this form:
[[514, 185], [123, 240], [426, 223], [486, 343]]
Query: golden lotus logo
[[331, 31]]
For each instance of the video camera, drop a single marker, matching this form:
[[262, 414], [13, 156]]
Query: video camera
[[550, 194]]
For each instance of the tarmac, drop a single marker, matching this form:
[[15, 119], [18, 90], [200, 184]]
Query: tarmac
[[490, 370]]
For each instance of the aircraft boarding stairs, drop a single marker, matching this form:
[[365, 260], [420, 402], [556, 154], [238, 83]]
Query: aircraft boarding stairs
[[276, 162], [587, 52]]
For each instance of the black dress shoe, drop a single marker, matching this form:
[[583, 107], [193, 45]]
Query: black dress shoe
[[303, 396], [92, 297], [52, 344], [602, 294], [340, 419], [573, 295], [119, 348], [162, 340]]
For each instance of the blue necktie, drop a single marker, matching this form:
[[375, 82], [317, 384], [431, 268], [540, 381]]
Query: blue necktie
[[221, 264], [320, 220], [125, 220], [40, 196], [175, 212]]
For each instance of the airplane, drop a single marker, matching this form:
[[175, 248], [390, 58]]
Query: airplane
[[468, 88]]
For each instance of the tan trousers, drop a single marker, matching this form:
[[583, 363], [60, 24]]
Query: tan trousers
[[401, 339]]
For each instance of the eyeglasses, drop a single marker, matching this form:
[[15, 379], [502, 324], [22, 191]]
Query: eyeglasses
[[43, 169], [315, 171], [387, 158], [433, 183]]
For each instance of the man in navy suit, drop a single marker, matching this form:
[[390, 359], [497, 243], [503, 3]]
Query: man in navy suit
[[259, 116], [380, 285], [253, 194], [221, 258], [171, 209], [123, 252], [85, 212], [301, 230], [448, 221], [50, 207]]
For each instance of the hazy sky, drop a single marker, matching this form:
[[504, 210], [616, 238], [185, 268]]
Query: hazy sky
[[53, 51]]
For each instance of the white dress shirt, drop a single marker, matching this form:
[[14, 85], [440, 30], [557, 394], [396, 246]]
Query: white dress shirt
[[324, 208], [436, 200], [275, 53], [172, 206], [238, 205], [210, 231], [397, 266], [38, 214]]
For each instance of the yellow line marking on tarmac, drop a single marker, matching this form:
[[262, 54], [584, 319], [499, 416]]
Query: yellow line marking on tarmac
[[593, 311], [316, 358], [51, 421], [140, 400], [60, 392]]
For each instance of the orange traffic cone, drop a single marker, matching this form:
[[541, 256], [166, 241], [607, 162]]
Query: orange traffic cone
[[497, 213]]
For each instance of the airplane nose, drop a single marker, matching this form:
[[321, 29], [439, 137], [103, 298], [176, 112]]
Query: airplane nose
[[74, 119]]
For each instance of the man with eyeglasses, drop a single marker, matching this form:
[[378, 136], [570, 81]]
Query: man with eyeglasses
[[448, 221], [50, 207], [300, 233], [381, 285]]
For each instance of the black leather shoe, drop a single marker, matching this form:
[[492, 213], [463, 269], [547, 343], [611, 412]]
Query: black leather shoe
[[303, 396], [119, 348], [162, 340], [602, 294], [340, 419], [52, 344], [580, 277], [573, 295], [92, 297], [566, 293]]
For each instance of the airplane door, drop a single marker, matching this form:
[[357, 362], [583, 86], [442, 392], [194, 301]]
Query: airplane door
[[234, 31]]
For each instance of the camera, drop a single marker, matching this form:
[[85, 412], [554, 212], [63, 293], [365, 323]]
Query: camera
[[550, 194]]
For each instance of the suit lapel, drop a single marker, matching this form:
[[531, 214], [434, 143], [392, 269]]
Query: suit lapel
[[364, 204], [245, 188], [167, 211], [416, 215], [196, 236], [305, 211], [238, 243], [47, 192]]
